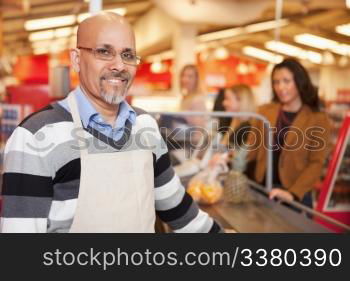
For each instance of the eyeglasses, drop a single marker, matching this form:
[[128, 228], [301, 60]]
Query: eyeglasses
[[108, 54]]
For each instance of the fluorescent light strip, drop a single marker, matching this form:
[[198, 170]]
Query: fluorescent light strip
[[322, 43], [315, 41], [220, 34], [343, 29], [62, 42], [45, 23], [82, 17], [41, 35], [294, 51], [49, 22], [262, 54], [50, 34], [267, 25], [63, 32], [256, 27]]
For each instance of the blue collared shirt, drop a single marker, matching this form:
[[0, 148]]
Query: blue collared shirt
[[91, 118]]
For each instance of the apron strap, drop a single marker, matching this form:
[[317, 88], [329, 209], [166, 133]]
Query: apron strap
[[72, 102]]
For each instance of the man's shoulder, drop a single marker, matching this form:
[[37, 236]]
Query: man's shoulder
[[144, 118], [52, 113], [139, 111]]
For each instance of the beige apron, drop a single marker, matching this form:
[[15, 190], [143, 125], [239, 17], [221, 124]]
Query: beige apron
[[116, 192]]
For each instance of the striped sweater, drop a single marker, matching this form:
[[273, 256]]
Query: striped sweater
[[42, 174]]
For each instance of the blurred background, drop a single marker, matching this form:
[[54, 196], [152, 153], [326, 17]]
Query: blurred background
[[230, 41]]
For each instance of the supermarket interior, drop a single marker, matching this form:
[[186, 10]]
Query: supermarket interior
[[234, 50]]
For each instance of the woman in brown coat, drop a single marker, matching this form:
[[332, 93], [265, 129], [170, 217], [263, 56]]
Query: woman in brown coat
[[300, 134]]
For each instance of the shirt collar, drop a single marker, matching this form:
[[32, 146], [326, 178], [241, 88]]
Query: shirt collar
[[88, 112]]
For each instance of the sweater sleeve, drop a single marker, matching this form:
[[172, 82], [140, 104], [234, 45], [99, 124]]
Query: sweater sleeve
[[173, 204], [27, 187]]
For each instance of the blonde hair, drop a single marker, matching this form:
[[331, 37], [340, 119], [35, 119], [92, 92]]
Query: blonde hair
[[198, 86], [246, 97], [247, 104]]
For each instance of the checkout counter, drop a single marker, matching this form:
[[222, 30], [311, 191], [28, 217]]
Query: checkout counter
[[259, 214]]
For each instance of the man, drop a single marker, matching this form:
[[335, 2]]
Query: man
[[92, 163]]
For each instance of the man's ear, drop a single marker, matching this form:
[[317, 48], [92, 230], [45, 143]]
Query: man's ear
[[75, 59]]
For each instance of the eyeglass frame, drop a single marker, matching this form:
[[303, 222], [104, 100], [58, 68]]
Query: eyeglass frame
[[93, 51]]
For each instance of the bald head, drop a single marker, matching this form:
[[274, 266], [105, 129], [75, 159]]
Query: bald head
[[90, 28]]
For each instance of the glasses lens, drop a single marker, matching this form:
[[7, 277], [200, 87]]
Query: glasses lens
[[129, 58], [104, 53]]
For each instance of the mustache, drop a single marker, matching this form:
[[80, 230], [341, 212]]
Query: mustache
[[117, 74]]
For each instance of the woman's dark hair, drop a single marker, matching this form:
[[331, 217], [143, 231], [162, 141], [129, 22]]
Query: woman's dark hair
[[307, 91], [224, 122]]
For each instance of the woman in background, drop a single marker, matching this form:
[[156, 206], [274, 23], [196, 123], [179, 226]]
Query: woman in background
[[185, 135], [301, 134], [223, 122], [238, 98], [193, 97]]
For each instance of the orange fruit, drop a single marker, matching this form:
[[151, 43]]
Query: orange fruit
[[194, 189], [211, 193]]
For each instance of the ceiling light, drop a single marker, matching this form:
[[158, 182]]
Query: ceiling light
[[242, 68], [315, 41], [119, 11], [293, 51], [41, 35], [49, 43], [49, 22], [322, 43], [221, 53], [341, 49], [82, 17], [63, 32], [158, 67], [267, 25], [343, 29], [221, 34], [256, 27], [283, 48], [262, 54], [348, 4]]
